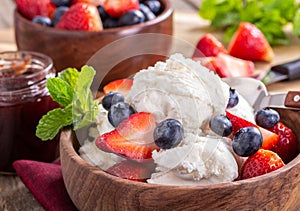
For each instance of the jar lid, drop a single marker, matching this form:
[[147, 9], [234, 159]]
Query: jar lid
[[21, 69]]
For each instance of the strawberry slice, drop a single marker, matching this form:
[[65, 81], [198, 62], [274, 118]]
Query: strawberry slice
[[32, 8], [131, 170], [262, 162], [286, 147], [270, 139], [93, 2], [81, 16], [122, 86], [228, 66], [249, 43], [133, 138], [116, 8], [209, 46]]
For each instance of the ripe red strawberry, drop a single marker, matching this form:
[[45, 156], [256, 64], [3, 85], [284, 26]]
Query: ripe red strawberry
[[249, 43], [287, 145], [228, 66], [208, 46], [131, 170], [270, 139], [133, 138], [262, 162], [116, 8], [122, 86], [81, 16], [94, 2], [32, 8]]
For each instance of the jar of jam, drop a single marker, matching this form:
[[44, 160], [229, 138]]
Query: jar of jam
[[24, 99]]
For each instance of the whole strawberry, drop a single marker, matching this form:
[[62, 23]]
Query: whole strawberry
[[262, 162], [286, 147], [32, 8], [81, 16]]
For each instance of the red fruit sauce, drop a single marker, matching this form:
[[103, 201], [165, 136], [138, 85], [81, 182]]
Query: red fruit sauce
[[24, 99]]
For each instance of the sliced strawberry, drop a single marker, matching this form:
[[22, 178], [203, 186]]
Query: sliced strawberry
[[133, 138], [270, 139], [122, 86], [228, 66], [81, 16], [249, 43], [287, 145], [116, 8], [209, 46], [32, 8], [262, 162], [131, 170]]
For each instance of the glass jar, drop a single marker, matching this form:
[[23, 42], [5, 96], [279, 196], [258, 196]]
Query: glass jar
[[24, 99]]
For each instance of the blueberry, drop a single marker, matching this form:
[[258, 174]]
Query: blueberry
[[58, 13], [233, 98], [131, 17], [103, 14], [221, 125], [59, 3], [168, 134], [111, 98], [110, 23], [42, 20], [149, 15], [119, 112], [267, 118], [154, 6], [247, 141]]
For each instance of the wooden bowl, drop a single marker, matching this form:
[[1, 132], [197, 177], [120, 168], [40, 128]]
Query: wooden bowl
[[93, 189], [75, 48]]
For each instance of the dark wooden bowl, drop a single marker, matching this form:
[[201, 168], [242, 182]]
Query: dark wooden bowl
[[75, 48], [93, 189]]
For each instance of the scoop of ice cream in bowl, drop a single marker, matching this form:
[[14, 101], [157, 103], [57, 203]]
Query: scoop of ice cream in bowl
[[183, 141]]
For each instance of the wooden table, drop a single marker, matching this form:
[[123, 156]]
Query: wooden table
[[188, 27]]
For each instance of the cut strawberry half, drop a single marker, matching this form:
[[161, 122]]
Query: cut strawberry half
[[270, 139], [287, 146], [32, 8], [93, 2], [262, 162], [209, 46], [122, 86], [116, 8], [249, 43], [81, 16], [131, 170], [228, 66], [133, 138]]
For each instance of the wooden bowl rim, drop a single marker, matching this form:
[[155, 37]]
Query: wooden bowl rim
[[165, 14], [66, 146]]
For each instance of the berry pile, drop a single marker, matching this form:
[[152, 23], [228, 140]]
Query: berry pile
[[89, 15], [268, 144], [136, 134]]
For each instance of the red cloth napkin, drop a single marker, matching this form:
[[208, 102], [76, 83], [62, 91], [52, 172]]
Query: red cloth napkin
[[46, 183]]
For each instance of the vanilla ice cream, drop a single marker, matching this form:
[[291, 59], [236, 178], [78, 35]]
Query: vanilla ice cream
[[184, 90]]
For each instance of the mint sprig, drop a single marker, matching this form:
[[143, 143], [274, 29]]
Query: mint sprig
[[70, 89]]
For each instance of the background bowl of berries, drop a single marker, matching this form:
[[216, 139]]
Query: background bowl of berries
[[71, 31]]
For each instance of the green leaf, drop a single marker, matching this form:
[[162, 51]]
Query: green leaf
[[85, 108], [60, 91], [296, 27], [50, 124], [69, 75]]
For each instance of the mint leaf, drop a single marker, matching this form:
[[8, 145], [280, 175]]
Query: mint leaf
[[85, 108], [69, 75], [296, 27], [60, 91], [50, 124]]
